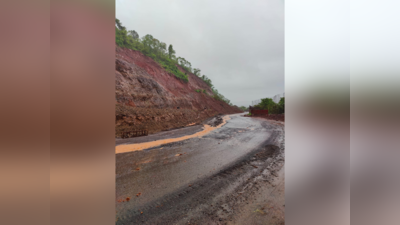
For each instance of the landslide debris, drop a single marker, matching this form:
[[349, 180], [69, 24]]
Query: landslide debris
[[214, 122]]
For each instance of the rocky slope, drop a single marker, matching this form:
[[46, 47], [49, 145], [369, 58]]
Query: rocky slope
[[148, 97]]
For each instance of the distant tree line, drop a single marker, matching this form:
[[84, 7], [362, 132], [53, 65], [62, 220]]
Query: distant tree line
[[162, 54], [273, 108], [244, 108]]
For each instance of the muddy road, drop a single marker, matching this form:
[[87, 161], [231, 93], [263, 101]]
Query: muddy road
[[232, 175]]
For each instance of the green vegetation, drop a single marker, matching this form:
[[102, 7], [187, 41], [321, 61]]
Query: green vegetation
[[196, 72], [207, 81], [158, 51], [153, 48], [171, 51], [201, 91], [273, 108], [220, 97], [244, 108]]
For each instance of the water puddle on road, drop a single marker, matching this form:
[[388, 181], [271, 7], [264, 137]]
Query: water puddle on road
[[140, 146]]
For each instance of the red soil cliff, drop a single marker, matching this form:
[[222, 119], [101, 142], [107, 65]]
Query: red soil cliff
[[148, 97]]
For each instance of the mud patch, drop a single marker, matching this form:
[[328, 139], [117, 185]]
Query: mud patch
[[140, 146]]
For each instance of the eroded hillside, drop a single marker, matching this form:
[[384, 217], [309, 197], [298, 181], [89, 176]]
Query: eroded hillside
[[148, 97]]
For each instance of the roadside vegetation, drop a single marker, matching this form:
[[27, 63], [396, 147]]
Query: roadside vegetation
[[273, 108], [163, 54]]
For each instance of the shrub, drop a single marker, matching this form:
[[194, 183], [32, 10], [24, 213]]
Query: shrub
[[273, 108]]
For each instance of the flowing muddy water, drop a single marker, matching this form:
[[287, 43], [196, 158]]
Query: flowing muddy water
[[140, 146]]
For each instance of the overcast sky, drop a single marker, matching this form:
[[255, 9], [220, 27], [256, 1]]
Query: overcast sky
[[238, 44]]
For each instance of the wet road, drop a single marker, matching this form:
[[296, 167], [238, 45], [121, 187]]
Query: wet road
[[232, 175]]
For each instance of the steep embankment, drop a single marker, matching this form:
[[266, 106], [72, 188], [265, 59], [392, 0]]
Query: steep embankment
[[148, 97]]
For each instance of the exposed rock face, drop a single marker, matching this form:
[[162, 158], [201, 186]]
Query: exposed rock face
[[148, 97]]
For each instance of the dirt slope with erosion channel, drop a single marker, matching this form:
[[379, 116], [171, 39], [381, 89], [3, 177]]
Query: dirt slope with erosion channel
[[148, 97]]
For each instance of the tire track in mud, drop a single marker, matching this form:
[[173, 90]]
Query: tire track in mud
[[218, 198]]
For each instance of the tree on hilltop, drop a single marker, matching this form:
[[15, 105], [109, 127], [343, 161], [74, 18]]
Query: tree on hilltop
[[133, 34], [171, 51]]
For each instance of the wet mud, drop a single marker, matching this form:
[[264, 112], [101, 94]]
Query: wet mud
[[217, 122]]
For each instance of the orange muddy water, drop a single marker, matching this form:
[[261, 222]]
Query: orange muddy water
[[140, 146]]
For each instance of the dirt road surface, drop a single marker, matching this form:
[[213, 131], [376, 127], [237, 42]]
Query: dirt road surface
[[232, 175]]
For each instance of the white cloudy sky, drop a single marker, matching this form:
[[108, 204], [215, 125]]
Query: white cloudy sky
[[238, 44]]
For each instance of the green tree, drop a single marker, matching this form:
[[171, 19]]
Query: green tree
[[119, 25], [265, 103], [282, 105], [197, 72], [133, 34], [207, 81], [147, 41], [185, 64], [273, 108], [162, 48], [171, 51]]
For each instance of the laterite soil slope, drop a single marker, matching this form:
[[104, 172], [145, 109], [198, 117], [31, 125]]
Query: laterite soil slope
[[148, 97]]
